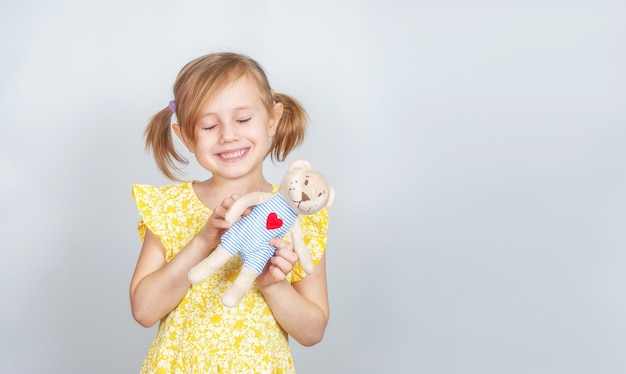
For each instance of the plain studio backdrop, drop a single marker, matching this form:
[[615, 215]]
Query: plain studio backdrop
[[477, 149]]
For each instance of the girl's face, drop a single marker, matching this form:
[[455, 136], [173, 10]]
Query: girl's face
[[233, 133]]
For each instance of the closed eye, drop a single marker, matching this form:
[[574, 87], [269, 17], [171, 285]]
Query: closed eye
[[244, 120]]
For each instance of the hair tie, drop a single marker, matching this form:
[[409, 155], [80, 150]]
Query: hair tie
[[172, 106]]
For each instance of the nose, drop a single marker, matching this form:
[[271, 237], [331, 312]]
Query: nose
[[305, 197], [228, 134]]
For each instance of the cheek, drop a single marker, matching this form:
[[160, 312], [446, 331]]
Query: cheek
[[260, 134], [204, 142]]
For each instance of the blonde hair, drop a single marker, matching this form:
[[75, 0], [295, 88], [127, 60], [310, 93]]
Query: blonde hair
[[195, 84]]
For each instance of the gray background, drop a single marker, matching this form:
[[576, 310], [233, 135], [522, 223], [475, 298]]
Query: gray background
[[477, 149]]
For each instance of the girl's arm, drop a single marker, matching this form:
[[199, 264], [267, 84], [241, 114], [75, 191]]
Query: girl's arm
[[245, 202], [300, 308], [157, 286]]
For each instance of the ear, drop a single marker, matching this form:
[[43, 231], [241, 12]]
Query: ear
[[331, 197], [300, 164], [275, 115], [182, 138]]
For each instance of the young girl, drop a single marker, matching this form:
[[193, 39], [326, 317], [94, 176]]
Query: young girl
[[231, 120]]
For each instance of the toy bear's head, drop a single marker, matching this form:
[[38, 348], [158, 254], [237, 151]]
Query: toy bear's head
[[304, 189]]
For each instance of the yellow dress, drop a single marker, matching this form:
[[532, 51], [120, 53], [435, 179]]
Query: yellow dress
[[201, 335]]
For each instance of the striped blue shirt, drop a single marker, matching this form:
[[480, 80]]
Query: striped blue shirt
[[250, 235]]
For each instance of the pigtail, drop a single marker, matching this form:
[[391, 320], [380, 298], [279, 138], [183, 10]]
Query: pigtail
[[158, 135], [291, 127]]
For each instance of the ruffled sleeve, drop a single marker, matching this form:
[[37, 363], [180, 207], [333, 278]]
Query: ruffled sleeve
[[315, 234], [173, 213], [149, 204]]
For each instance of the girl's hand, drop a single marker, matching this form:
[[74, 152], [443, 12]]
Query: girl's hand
[[279, 265], [217, 225]]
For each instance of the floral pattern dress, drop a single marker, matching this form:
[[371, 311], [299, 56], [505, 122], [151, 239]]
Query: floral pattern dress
[[201, 335]]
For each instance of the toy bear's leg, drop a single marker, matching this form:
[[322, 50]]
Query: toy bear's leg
[[209, 265], [240, 287], [304, 257]]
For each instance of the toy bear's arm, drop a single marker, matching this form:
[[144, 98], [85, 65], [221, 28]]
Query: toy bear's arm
[[304, 257], [244, 202]]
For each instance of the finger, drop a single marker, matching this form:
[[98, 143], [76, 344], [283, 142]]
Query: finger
[[247, 211], [280, 263], [286, 254], [220, 224], [228, 202], [219, 211], [273, 274], [281, 244]]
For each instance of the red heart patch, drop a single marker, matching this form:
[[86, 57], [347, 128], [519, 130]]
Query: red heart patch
[[273, 222]]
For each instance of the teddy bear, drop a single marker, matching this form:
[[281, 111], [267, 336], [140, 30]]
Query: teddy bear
[[302, 191]]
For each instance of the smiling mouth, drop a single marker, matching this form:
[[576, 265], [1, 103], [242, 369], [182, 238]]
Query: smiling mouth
[[232, 155]]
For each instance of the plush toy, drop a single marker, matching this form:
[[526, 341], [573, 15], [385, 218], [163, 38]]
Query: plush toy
[[302, 191]]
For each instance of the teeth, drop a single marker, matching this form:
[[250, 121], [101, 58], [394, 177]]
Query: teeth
[[227, 156]]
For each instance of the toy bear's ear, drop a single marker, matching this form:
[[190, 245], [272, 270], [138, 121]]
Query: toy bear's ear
[[300, 164], [331, 197]]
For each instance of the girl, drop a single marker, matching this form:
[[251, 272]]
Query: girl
[[231, 120]]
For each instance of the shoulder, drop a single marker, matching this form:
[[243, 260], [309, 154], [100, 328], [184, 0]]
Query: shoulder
[[163, 199], [145, 192], [318, 220], [169, 189], [315, 227]]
